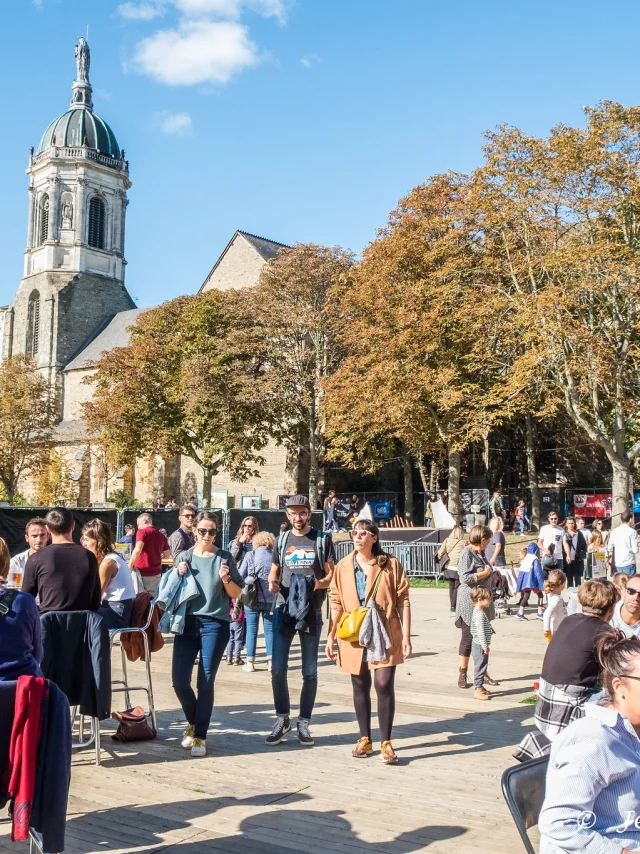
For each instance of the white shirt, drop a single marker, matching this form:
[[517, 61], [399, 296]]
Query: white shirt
[[618, 623], [586, 533], [555, 612], [552, 534], [623, 542], [121, 586]]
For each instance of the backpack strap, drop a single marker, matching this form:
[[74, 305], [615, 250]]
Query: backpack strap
[[6, 601], [281, 546]]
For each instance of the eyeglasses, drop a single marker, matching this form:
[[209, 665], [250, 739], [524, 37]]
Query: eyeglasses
[[298, 515], [632, 591], [359, 533], [207, 532]]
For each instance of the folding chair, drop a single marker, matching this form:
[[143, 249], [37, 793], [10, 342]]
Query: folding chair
[[523, 787], [124, 682]]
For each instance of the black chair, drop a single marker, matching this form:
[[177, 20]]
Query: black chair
[[523, 787]]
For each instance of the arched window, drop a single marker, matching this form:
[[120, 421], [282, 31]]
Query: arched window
[[43, 233], [33, 325], [96, 223]]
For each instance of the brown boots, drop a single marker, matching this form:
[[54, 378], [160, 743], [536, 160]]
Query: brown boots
[[462, 678]]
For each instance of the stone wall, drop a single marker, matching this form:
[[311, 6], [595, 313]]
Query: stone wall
[[239, 268], [75, 392]]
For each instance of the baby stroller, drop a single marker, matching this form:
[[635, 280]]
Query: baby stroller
[[500, 583]]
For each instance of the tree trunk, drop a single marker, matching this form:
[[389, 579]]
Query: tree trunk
[[423, 474], [485, 452], [533, 474], [207, 475], [313, 460], [621, 490], [455, 506], [407, 471], [433, 479]]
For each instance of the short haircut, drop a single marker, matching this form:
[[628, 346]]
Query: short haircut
[[146, 518], [496, 523], [480, 594], [264, 538], [59, 520], [627, 516], [129, 527], [597, 596], [37, 520], [479, 533], [188, 507], [620, 579]]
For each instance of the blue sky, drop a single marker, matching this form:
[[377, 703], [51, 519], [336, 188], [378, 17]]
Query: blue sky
[[298, 120]]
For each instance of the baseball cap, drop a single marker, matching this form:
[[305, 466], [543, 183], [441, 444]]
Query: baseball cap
[[298, 501]]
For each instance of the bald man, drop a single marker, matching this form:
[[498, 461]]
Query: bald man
[[151, 546]]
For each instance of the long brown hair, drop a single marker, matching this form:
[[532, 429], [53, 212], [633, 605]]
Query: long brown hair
[[102, 533], [256, 526], [382, 558]]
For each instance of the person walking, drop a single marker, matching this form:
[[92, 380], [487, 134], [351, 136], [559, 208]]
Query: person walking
[[530, 578], [64, 576], [496, 506], [151, 546], [242, 544], [575, 552], [367, 574], [428, 513], [303, 563], [521, 516], [451, 548], [206, 628], [258, 565], [116, 582], [623, 544], [37, 537], [474, 570], [182, 538], [552, 534]]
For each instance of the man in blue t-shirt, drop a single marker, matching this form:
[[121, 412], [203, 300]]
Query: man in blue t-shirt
[[305, 552]]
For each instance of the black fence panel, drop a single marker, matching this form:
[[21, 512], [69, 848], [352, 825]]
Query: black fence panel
[[13, 521], [168, 520], [552, 500], [268, 520]]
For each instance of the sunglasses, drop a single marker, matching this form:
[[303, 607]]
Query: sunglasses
[[360, 533], [188, 516], [632, 591], [207, 532]]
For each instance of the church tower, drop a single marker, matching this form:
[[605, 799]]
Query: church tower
[[74, 262]]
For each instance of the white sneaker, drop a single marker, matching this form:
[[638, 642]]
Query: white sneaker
[[269, 665], [199, 747], [187, 739], [249, 666]]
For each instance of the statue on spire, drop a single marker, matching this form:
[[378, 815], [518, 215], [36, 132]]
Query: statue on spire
[[83, 61]]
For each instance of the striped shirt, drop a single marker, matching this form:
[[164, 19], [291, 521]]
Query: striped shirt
[[481, 628], [592, 797]]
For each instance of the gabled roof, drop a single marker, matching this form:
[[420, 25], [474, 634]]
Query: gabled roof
[[113, 334], [266, 249]]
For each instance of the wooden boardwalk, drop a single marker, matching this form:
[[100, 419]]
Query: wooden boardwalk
[[245, 797]]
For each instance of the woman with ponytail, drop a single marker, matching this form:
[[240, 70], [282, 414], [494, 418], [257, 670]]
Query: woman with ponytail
[[592, 801]]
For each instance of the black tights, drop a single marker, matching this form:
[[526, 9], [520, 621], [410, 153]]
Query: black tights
[[383, 679], [524, 599]]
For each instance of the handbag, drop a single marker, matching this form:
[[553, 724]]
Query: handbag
[[132, 726], [351, 622]]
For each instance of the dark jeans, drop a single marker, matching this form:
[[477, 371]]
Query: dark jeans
[[574, 572], [234, 647], [209, 637], [253, 620], [454, 584], [309, 644], [116, 615]]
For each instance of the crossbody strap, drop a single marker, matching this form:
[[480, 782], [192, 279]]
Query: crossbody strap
[[6, 601]]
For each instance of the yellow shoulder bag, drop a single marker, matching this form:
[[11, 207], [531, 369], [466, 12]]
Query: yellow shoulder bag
[[351, 622]]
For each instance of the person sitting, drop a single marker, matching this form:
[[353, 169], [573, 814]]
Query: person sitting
[[116, 581], [592, 796], [63, 575], [20, 642], [37, 537], [571, 668], [626, 616]]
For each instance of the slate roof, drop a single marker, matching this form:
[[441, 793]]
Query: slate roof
[[71, 431], [266, 249], [113, 334]]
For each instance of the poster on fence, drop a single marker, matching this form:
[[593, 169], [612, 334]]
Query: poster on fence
[[593, 506]]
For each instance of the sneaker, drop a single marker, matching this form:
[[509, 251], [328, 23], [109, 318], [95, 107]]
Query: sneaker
[[519, 616], [269, 665], [481, 694], [539, 616], [304, 736], [187, 738], [199, 747], [249, 666], [281, 727], [229, 660], [363, 748], [238, 661], [387, 754]]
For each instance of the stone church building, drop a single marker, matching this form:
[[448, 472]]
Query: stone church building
[[72, 304]]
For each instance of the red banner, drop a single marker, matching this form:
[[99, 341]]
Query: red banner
[[593, 506]]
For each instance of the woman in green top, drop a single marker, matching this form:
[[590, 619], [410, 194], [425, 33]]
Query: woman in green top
[[206, 628]]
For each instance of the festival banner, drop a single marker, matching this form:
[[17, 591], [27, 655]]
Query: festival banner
[[593, 506]]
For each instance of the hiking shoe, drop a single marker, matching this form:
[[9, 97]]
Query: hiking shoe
[[481, 694], [387, 753], [462, 677], [187, 738], [199, 747], [363, 748], [281, 727], [304, 736], [249, 666], [519, 616]]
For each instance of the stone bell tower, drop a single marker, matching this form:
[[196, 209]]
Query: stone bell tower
[[74, 261]]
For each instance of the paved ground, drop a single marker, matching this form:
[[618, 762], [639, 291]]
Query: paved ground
[[444, 795]]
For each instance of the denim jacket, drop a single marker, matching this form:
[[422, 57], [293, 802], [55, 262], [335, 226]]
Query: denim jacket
[[174, 592]]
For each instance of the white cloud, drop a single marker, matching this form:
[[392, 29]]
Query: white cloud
[[38, 3], [310, 60], [196, 52], [175, 124], [140, 11], [231, 8]]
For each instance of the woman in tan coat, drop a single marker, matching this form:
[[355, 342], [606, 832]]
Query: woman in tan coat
[[353, 582]]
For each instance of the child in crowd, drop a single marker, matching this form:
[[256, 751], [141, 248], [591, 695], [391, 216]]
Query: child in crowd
[[530, 577], [521, 515], [481, 633], [620, 580], [556, 609], [234, 647], [596, 556]]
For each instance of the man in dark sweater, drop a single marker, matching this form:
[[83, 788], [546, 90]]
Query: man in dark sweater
[[63, 575]]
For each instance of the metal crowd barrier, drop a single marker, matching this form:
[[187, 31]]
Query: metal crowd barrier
[[418, 559]]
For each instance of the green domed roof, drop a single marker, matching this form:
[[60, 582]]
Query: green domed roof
[[77, 124]]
